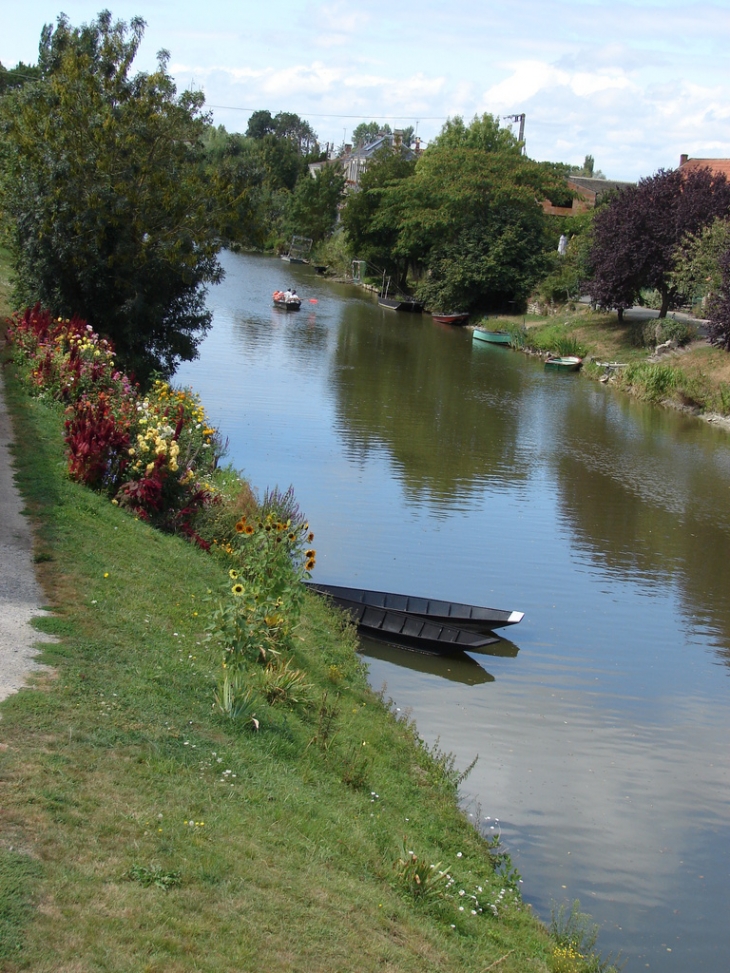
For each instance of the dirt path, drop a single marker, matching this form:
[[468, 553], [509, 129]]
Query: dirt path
[[20, 595]]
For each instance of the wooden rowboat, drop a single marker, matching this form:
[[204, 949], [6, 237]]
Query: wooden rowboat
[[449, 613], [458, 318], [565, 363], [287, 304], [493, 337]]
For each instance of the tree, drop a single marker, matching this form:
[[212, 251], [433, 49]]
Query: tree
[[103, 180], [315, 201], [587, 170], [367, 132], [13, 78], [472, 224], [482, 133], [464, 219], [285, 125], [697, 269], [719, 307], [235, 172], [636, 233], [373, 215]]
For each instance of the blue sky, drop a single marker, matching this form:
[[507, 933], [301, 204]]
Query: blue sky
[[635, 84]]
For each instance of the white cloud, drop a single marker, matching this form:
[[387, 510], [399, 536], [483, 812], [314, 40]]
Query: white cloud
[[529, 78]]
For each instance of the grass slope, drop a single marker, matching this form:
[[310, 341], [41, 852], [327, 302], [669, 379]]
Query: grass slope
[[694, 378], [140, 830]]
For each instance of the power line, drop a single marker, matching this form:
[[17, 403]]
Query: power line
[[437, 118]]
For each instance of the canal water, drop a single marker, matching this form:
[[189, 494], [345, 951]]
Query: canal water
[[434, 466]]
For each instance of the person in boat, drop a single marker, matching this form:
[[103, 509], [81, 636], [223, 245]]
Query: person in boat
[[293, 295], [287, 294]]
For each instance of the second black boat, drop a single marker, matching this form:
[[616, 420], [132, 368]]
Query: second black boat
[[413, 631]]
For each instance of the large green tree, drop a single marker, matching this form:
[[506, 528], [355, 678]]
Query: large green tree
[[313, 207], [373, 215], [105, 189], [465, 218]]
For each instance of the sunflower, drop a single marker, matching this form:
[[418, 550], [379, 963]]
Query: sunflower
[[310, 555], [237, 589], [233, 574], [310, 537], [309, 564], [248, 529], [240, 526]]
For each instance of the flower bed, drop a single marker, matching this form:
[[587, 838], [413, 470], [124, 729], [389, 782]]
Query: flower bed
[[153, 454]]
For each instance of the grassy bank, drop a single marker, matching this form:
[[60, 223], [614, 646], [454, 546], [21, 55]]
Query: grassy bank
[[142, 829], [694, 377]]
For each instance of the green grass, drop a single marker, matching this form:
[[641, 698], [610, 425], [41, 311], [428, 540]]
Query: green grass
[[142, 830], [696, 378]]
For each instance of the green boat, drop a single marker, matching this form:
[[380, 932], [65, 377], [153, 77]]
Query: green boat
[[493, 337], [566, 363]]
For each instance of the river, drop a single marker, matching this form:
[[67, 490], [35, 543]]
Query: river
[[431, 465]]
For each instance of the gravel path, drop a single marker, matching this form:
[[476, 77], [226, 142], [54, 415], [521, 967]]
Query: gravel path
[[20, 594]]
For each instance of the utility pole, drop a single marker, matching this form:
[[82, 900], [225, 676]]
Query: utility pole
[[521, 120]]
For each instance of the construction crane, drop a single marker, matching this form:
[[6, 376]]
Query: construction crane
[[521, 120]]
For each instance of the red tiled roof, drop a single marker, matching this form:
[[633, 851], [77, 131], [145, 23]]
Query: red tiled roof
[[716, 165]]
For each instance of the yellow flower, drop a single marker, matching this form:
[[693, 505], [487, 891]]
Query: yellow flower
[[233, 574], [237, 589]]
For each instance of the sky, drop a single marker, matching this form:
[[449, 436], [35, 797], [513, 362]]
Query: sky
[[634, 83]]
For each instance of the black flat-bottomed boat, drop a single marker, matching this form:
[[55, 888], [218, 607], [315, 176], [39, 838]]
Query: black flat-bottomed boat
[[452, 614], [413, 631]]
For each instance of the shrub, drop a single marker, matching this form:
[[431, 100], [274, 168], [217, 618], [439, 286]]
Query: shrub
[[648, 334]]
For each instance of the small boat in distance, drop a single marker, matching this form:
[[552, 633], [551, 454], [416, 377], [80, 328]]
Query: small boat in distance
[[398, 303], [564, 363], [287, 301], [492, 337], [298, 250], [456, 318], [455, 614]]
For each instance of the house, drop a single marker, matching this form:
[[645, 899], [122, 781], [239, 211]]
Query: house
[[717, 166], [588, 194], [354, 161]]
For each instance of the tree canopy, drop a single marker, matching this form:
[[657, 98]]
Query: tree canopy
[[465, 218], [637, 232], [284, 125], [103, 181]]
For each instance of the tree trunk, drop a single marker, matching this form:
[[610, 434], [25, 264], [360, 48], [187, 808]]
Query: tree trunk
[[665, 304], [620, 315]]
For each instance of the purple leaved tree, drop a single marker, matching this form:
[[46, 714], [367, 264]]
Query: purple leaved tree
[[636, 233]]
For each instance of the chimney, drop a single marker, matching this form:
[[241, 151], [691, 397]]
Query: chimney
[[683, 159]]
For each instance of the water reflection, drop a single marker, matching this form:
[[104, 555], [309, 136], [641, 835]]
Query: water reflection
[[445, 431], [456, 668]]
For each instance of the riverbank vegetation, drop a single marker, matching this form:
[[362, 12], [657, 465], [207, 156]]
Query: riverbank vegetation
[[203, 779], [689, 374]]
